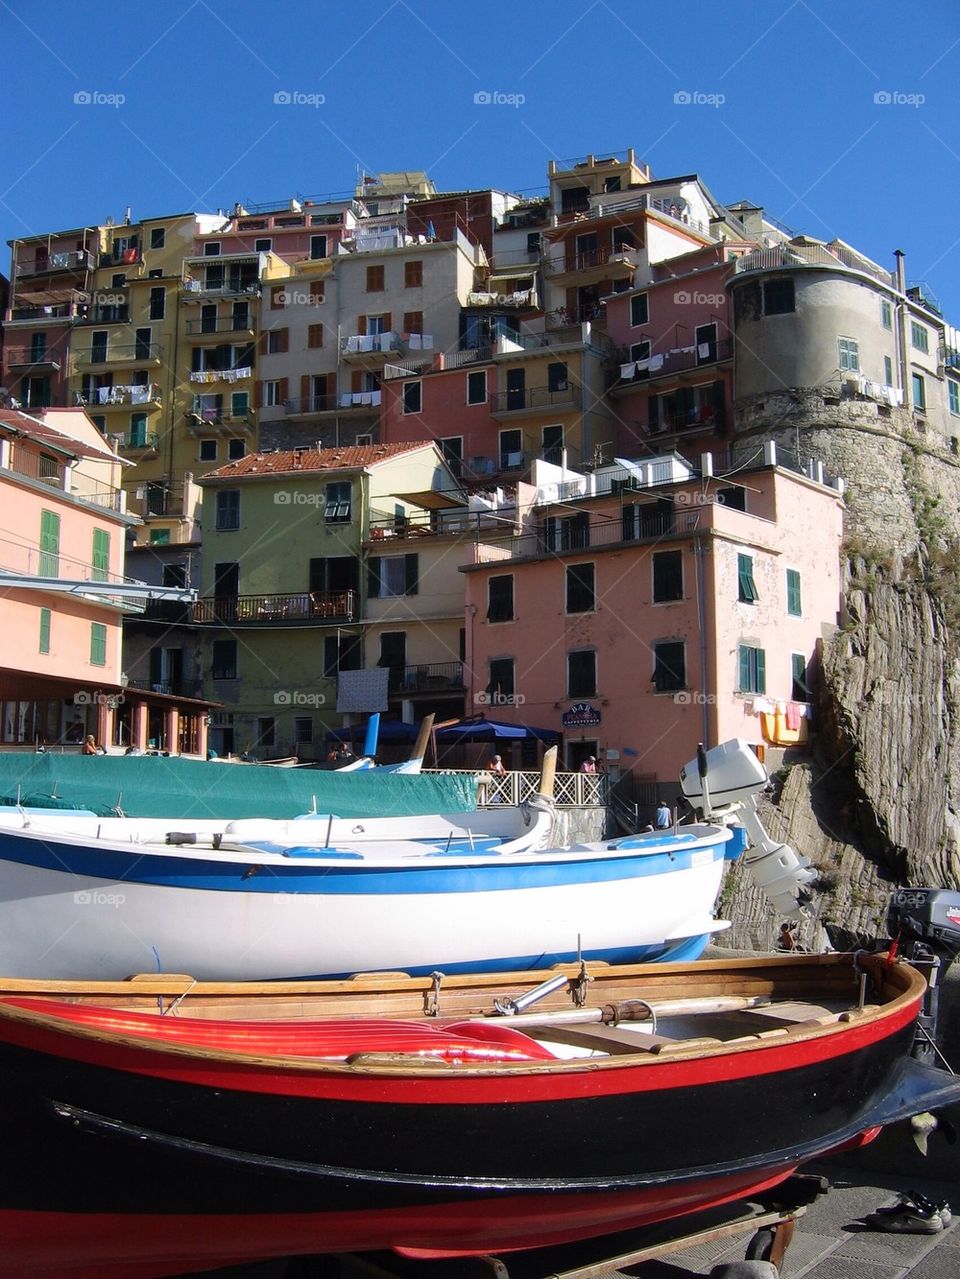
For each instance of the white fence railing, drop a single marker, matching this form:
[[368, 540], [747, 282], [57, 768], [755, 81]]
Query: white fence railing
[[571, 790]]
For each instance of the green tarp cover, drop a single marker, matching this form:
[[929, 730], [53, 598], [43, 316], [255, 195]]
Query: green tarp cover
[[160, 786]]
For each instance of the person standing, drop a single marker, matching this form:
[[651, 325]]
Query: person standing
[[664, 818], [589, 765]]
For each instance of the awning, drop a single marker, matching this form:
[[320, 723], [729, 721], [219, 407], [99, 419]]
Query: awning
[[432, 500], [47, 297]]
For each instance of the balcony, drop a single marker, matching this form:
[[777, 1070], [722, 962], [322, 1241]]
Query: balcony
[[569, 536], [212, 330], [114, 314], [309, 405], [574, 336], [115, 355], [210, 421], [835, 256], [457, 522], [76, 260], [120, 397], [36, 466], [702, 418], [505, 404], [42, 313], [140, 444], [593, 265], [669, 364], [523, 300], [371, 348], [203, 377], [170, 688], [432, 677], [31, 357], [305, 608]]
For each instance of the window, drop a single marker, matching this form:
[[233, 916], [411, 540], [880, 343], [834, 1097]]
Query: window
[[746, 587], [533, 243], [412, 275], [211, 250], [919, 392], [118, 281], [412, 397], [886, 314], [303, 730], [849, 353], [341, 654], [236, 449], [239, 403], [272, 397], [556, 377], [318, 247], [337, 502], [158, 235], [582, 673], [667, 576], [640, 350], [278, 340], [208, 450], [266, 730], [316, 295], [639, 310], [158, 303], [98, 644], [228, 509], [44, 630], [501, 683], [500, 598], [581, 588], [156, 273], [477, 387], [263, 246], [888, 370], [800, 687], [794, 607], [159, 537], [49, 565], [101, 555], [314, 336], [174, 575], [669, 666], [778, 297], [278, 298], [390, 576], [753, 674], [374, 279], [393, 649], [224, 664], [953, 395], [919, 338]]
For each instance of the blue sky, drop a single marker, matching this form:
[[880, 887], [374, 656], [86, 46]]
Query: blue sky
[[838, 116]]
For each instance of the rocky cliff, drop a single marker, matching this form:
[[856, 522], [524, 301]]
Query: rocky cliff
[[876, 802]]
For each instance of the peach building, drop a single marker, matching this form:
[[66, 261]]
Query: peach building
[[648, 607]]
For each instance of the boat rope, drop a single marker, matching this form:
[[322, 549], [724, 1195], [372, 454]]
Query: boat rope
[[172, 1010]]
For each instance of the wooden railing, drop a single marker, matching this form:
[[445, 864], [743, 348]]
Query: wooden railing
[[570, 790]]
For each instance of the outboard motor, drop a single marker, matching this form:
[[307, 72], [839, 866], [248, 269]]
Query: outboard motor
[[924, 924]]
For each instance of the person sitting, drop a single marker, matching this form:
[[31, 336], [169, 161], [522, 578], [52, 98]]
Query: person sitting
[[90, 746], [496, 766]]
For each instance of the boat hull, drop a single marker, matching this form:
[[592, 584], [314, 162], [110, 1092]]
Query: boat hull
[[87, 909], [158, 1162]]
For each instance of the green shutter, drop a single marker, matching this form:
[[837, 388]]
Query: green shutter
[[761, 671], [98, 644], [411, 574], [101, 555], [44, 630], [49, 544], [744, 669], [373, 577], [748, 589], [793, 593]]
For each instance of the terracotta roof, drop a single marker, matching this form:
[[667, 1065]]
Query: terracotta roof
[[25, 424], [352, 457]]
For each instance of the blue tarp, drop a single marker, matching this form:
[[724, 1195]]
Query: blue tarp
[[488, 730]]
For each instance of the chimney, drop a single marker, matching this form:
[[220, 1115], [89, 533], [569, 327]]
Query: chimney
[[126, 216]]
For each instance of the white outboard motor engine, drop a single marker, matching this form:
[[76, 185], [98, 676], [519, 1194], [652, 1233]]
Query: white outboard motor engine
[[722, 784]]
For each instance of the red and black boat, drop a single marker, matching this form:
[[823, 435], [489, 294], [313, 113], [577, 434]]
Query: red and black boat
[[159, 1125]]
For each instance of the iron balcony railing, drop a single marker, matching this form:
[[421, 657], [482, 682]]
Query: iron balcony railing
[[137, 441], [667, 363], [32, 357], [124, 352], [269, 610], [622, 255], [451, 523], [71, 260], [790, 255], [534, 398], [638, 523], [232, 324], [36, 466], [432, 677]]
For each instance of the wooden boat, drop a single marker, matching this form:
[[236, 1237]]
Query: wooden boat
[[162, 1125]]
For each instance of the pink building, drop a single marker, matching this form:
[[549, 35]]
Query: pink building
[[674, 384], [646, 609]]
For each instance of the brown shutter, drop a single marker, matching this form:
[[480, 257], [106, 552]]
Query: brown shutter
[[284, 340], [257, 394], [284, 389], [304, 391], [361, 325], [262, 343], [356, 380], [387, 322]]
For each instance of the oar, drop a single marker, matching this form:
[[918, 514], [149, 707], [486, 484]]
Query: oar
[[426, 728], [548, 771]]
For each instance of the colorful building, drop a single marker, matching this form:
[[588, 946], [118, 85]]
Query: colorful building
[[648, 607]]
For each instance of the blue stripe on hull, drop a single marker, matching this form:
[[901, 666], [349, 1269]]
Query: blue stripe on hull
[[104, 865], [664, 952]]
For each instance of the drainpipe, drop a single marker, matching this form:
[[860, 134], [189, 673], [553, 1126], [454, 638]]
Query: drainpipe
[[902, 325], [699, 551]]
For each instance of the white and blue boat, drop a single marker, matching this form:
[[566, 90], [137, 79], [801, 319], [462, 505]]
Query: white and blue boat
[[261, 900]]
